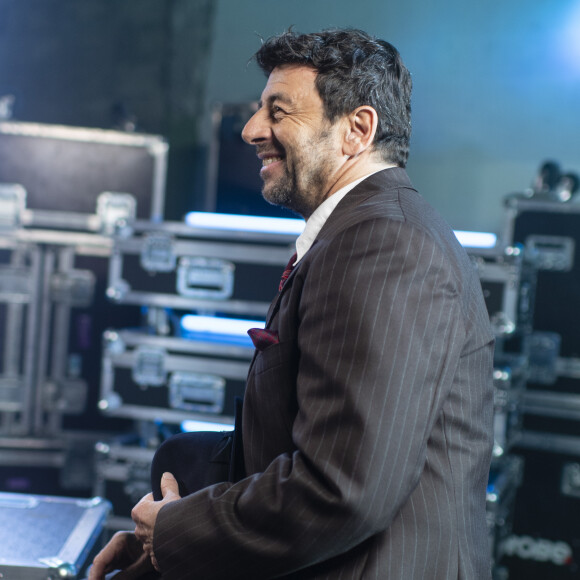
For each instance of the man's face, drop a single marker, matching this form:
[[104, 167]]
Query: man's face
[[300, 149]]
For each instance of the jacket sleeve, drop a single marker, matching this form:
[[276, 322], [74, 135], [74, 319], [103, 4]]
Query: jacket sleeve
[[379, 330]]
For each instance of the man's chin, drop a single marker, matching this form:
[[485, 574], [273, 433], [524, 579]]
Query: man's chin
[[276, 197]]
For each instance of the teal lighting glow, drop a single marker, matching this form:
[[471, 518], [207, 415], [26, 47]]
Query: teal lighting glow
[[569, 39]]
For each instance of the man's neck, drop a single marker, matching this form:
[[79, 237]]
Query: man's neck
[[355, 169]]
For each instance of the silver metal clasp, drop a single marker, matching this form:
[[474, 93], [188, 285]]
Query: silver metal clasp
[[205, 278], [197, 392], [157, 254]]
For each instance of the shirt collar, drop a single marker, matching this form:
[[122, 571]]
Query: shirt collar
[[317, 220]]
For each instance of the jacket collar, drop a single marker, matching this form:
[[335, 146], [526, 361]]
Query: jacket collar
[[385, 182]]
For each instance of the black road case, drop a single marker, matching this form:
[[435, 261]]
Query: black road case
[[172, 379], [550, 235], [174, 265], [66, 168]]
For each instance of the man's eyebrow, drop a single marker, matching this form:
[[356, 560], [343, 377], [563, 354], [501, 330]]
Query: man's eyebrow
[[281, 97]]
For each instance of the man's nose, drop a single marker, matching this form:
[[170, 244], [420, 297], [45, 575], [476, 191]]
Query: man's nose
[[256, 129]]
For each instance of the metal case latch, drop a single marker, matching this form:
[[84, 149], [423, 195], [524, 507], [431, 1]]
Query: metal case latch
[[205, 278], [543, 350], [117, 212], [196, 392], [149, 369], [157, 254], [74, 288], [550, 252], [15, 284], [12, 204], [11, 393], [570, 484]]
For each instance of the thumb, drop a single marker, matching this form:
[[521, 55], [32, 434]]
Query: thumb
[[169, 485]]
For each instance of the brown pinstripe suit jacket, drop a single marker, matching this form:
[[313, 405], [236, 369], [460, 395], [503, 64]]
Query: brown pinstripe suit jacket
[[368, 428]]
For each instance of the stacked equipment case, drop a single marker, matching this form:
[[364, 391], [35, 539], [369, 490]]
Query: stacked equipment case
[[204, 284], [227, 276], [508, 283], [64, 192], [546, 539]]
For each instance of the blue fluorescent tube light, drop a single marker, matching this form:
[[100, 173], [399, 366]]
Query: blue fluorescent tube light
[[218, 325], [253, 223], [244, 223], [191, 425], [476, 239]]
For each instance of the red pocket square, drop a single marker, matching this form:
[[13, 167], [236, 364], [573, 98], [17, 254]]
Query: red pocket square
[[263, 337]]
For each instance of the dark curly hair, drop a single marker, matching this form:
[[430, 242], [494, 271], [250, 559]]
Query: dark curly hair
[[354, 69]]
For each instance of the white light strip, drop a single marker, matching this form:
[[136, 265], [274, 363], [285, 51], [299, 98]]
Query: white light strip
[[253, 223], [246, 223], [476, 239], [216, 325], [70, 133], [190, 425]]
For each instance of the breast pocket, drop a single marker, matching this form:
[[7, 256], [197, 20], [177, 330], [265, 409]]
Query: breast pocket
[[272, 388]]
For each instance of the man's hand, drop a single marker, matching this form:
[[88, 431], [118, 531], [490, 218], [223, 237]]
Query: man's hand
[[123, 552], [144, 514]]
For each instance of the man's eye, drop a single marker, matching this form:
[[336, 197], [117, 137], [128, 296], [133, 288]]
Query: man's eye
[[277, 111]]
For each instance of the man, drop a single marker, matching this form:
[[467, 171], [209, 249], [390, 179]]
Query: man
[[367, 420]]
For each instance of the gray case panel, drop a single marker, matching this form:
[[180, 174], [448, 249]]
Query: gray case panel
[[45, 537]]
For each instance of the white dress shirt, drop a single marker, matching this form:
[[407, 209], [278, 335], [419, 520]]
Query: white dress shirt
[[317, 220]]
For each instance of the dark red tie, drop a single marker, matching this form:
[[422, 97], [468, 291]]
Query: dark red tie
[[287, 271]]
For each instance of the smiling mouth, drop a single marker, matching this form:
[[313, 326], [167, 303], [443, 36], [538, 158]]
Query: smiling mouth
[[269, 160]]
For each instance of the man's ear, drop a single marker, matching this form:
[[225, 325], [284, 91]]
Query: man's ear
[[361, 127]]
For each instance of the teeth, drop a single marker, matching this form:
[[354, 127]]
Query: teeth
[[270, 160]]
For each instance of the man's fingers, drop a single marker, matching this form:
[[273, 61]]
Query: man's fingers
[[169, 485], [136, 570], [148, 549], [155, 564], [118, 553]]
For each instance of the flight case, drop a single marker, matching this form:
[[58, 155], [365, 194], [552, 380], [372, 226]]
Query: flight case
[[66, 168], [172, 379], [508, 284], [174, 265], [545, 540], [56, 311], [550, 234], [48, 537]]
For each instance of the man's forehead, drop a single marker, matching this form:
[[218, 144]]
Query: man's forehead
[[289, 83], [294, 70]]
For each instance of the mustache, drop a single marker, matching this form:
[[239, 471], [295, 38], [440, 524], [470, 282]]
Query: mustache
[[267, 149]]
